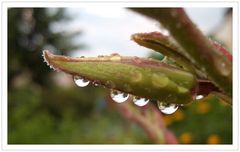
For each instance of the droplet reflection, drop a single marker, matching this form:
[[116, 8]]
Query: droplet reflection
[[79, 81], [140, 101], [119, 96], [167, 108], [198, 97]]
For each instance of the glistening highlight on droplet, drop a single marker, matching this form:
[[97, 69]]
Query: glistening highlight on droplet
[[167, 108], [198, 97], [119, 96], [140, 101], [79, 81]]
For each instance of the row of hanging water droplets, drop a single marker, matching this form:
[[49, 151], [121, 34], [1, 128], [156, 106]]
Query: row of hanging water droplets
[[121, 97]]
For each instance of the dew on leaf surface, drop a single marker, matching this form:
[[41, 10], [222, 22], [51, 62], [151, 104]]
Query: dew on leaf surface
[[79, 81], [167, 108], [119, 96], [198, 97], [140, 101]]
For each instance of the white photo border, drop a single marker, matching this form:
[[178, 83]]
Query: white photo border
[[118, 147]]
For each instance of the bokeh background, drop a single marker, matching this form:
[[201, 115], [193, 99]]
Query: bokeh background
[[45, 107]]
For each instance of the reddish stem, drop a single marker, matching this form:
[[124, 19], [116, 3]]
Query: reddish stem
[[150, 119]]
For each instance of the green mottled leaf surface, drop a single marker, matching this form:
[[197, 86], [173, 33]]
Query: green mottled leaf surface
[[141, 77]]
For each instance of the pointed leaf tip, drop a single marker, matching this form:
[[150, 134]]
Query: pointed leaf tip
[[164, 45]]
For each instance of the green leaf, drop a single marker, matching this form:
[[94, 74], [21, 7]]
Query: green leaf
[[203, 55], [161, 43], [141, 77]]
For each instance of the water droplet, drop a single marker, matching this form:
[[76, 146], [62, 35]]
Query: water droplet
[[159, 81], [167, 108], [198, 97], [79, 81], [140, 101], [119, 96], [165, 32]]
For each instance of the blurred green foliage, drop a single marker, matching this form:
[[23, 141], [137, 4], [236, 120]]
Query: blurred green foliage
[[42, 112], [68, 116], [200, 120], [29, 32]]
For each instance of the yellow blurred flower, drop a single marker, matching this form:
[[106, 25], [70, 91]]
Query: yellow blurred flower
[[203, 107], [185, 138], [178, 115], [213, 139], [168, 120]]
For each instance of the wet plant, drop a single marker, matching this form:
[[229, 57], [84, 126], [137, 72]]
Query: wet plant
[[194, 67]]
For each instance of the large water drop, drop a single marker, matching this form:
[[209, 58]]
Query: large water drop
[[167, 108], [119, 96], [79, 81], [140, 101]]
